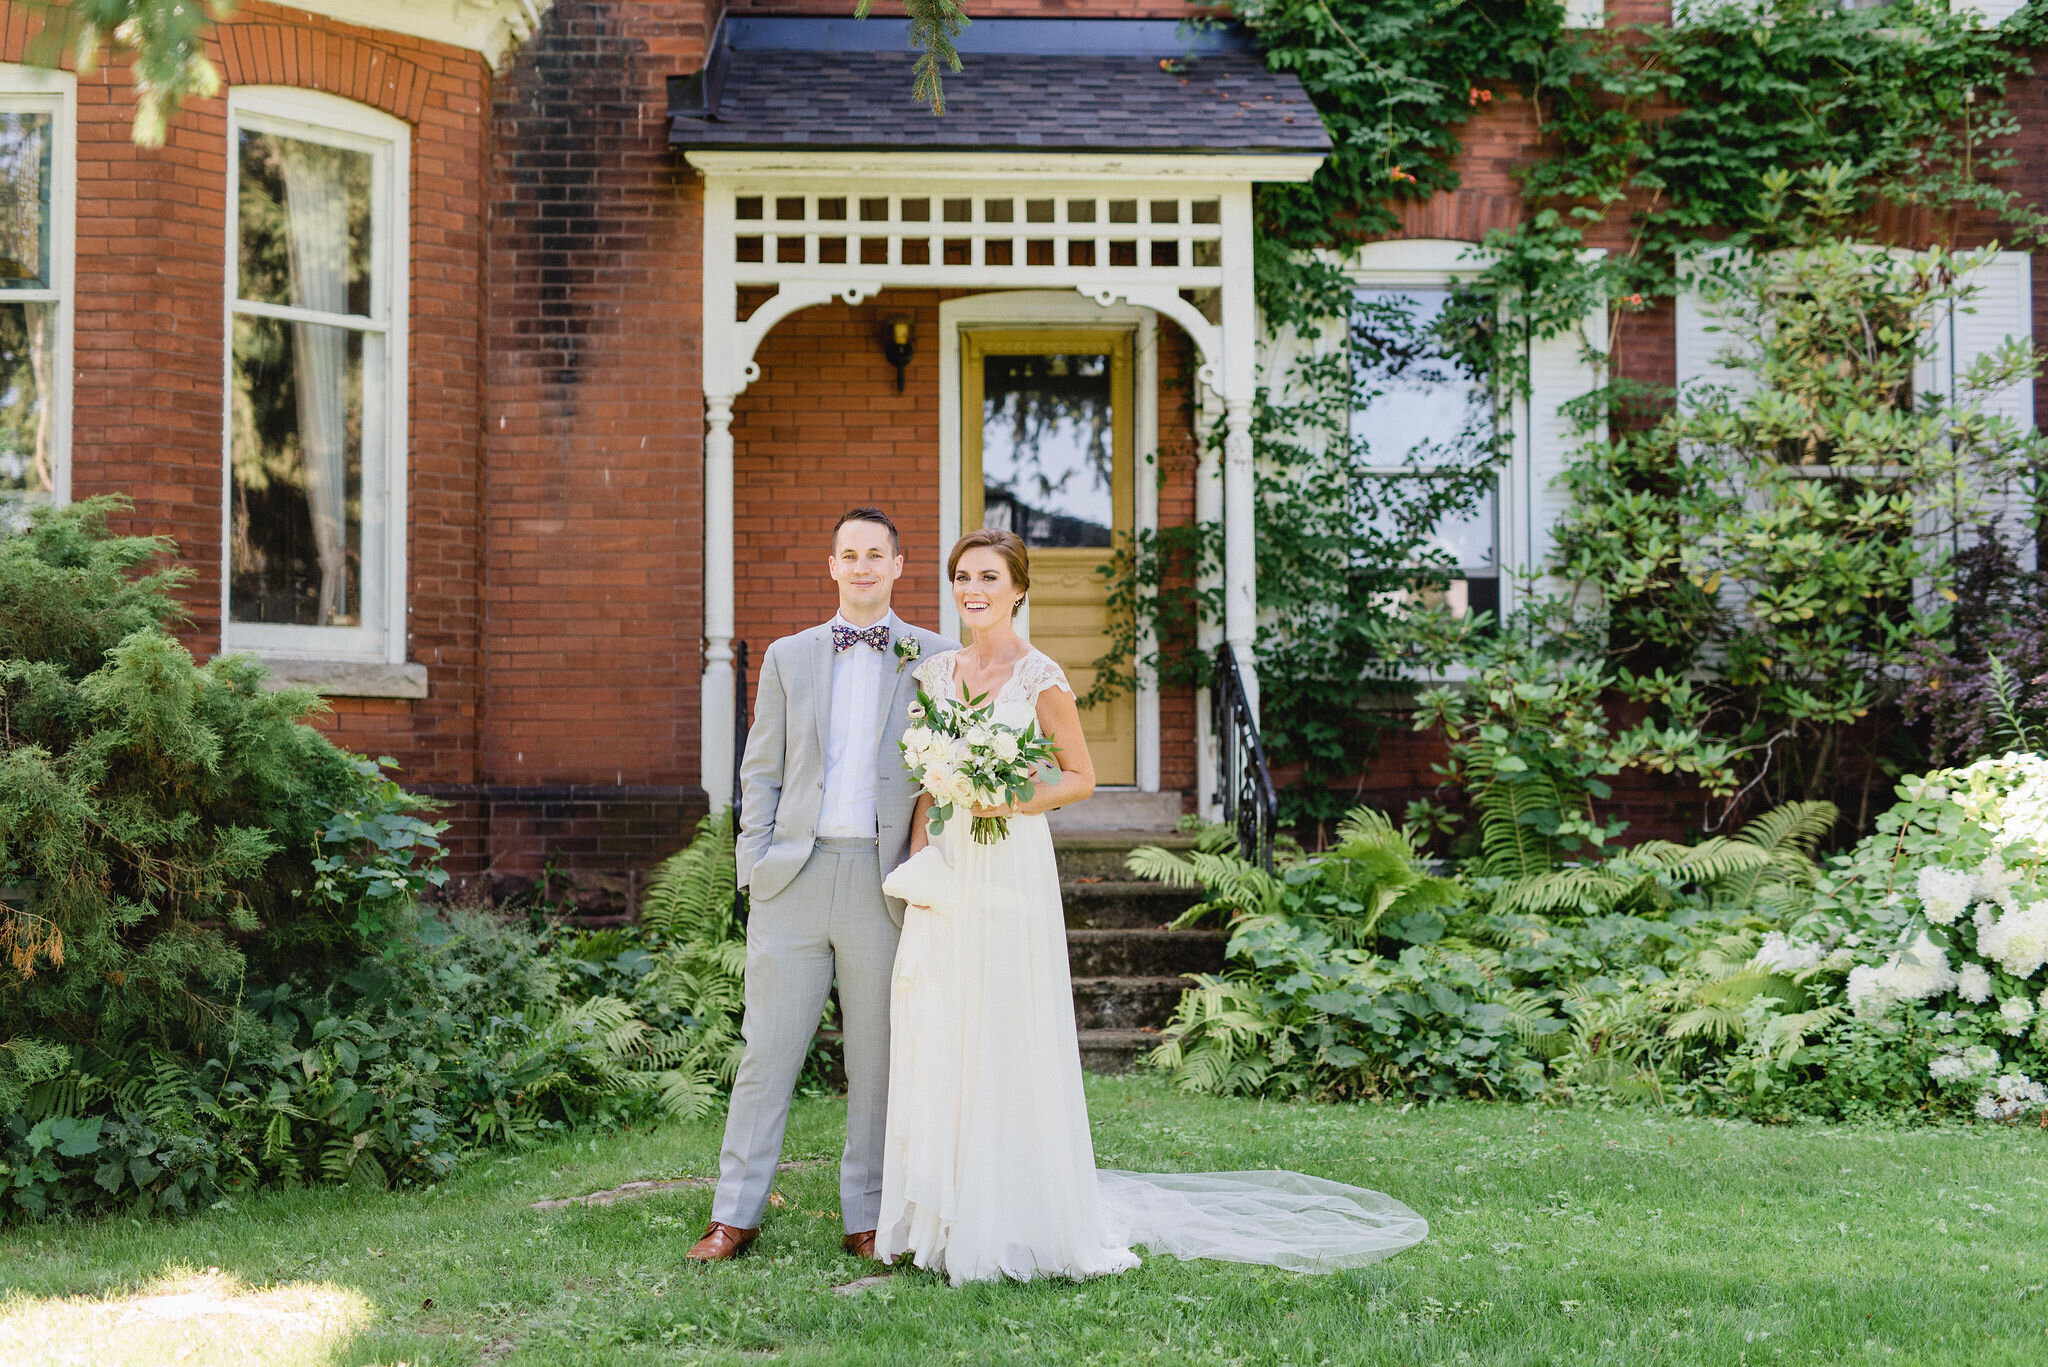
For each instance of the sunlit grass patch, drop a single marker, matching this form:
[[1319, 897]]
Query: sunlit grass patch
[[185, 1316]]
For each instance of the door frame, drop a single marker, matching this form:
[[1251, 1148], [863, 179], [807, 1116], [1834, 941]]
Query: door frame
[[1053, 311]]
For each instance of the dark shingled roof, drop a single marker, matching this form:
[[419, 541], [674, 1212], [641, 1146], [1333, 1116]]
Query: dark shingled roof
[[1221, 100]]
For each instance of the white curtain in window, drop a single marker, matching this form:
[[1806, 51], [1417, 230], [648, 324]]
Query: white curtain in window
[[316, 212]]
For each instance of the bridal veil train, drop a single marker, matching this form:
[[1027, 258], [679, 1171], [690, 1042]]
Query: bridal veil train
[[989, 1168]]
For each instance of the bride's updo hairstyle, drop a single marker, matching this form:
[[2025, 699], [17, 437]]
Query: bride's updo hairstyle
[[1008, 545]]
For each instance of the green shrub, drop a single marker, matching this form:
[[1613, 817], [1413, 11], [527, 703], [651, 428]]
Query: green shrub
[[1361, 972], [465, 1032], [164, 823]]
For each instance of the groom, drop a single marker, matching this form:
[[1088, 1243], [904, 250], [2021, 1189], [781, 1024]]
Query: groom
[[825, 812]]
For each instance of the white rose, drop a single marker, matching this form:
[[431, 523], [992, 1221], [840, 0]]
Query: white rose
[[939, 781], [1006, 746], [978, 738]]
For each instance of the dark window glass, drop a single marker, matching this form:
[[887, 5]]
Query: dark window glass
[[1047, 448]]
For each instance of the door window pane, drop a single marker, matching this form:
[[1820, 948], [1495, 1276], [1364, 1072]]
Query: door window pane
[[1048, 448], [25, 201], [298, 458]]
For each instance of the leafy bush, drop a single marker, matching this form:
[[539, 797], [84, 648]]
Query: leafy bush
[[217, 973], [467, 1031], [1361, 972], [1985, 690], [160, 819], [1760, 585], [1925, 943]]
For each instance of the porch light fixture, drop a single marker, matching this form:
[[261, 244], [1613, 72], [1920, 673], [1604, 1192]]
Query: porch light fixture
[[896, 347]]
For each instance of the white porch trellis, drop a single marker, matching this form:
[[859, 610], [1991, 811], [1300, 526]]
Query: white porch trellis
[[824, 227]]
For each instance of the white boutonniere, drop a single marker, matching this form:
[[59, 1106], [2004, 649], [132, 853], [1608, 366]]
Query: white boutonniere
[[907, 649]]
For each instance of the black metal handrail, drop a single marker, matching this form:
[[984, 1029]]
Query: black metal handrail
[[739, 754], [1243, 782]]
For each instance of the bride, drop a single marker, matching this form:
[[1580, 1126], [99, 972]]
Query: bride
[[988, 1168]]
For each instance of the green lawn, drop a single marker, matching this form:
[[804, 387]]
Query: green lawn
[[1557, 1236]]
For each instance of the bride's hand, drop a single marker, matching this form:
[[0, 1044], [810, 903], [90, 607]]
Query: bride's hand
[[1008, 809]]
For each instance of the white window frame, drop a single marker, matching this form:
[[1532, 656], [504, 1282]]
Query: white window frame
[[28, 89], [329, 119]]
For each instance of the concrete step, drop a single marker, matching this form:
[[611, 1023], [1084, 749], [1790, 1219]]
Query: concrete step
[[1144, 953], [1123, 809], [1115, 1051], [1101, 854], [1124, 905], [1126, 1003]]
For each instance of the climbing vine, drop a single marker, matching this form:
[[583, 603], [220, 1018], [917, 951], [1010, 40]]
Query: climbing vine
[[1655, 141]]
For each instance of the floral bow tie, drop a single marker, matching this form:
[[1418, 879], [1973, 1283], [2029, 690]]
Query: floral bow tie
[[843, 638]]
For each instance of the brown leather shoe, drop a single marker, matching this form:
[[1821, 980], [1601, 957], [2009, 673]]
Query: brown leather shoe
[[723, 1241], [861, 1245]]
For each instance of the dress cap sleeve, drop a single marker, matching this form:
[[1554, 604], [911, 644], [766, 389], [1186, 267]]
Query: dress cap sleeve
[[1040, 672], [936, 673]]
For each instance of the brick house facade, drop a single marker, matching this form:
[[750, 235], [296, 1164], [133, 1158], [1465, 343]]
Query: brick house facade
[[542, 668]]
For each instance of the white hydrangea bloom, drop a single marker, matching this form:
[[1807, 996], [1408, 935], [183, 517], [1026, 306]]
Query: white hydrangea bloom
[[1944, 893], [1870, 993], [2017, 941], [1777, 954], [2017, 1011], [1993, 882], [1973, 983], [1948, 1068], [1920, 970], [2012, 1096]]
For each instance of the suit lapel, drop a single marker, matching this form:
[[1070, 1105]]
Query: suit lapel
[[821, 684], [889, 715]]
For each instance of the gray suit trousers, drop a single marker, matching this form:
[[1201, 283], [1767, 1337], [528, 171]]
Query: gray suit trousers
[[829, 920]]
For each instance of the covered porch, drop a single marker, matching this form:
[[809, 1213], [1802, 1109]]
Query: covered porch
[[1070, 242]]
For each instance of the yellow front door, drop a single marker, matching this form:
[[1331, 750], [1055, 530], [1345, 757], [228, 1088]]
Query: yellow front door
[[1046, 453]]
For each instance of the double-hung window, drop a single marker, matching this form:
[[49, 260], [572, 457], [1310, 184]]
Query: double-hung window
[[314, 519], [1427, 423], [36, 164]]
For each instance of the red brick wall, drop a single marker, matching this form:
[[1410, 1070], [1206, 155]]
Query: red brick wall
[[594, 414], [147, 400]]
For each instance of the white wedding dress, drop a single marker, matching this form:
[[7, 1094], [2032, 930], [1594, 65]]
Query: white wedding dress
[[988, 1168]]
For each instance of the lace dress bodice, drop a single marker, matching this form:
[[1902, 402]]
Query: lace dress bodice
[[1016, 702]]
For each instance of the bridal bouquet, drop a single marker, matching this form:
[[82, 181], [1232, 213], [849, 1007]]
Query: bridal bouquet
[[964, 757]]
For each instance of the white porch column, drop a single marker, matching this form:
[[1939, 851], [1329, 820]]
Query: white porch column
[[716, 698], [1208, 633], [1239, 375]]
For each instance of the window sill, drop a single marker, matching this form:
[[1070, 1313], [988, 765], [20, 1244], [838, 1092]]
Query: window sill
[[350, 678]]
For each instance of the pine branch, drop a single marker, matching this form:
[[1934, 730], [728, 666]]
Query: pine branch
[[934, 24]]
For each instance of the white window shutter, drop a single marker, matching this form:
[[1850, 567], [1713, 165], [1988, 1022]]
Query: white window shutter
[[1700, 339], [2002, 307], [1559, 372], [1995, 12]]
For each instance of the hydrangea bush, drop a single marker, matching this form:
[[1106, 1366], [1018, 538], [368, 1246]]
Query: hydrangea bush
[[1936, 928]]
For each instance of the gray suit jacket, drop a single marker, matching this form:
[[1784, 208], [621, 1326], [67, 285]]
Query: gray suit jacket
[[782, 775]]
